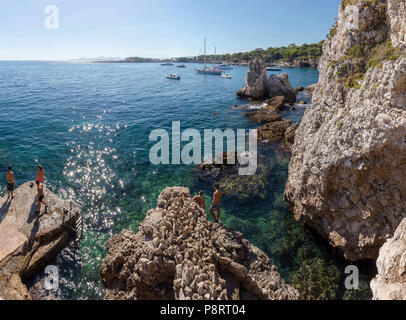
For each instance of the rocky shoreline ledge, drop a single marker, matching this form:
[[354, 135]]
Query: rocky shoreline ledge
[[29, 241], [178, 254]]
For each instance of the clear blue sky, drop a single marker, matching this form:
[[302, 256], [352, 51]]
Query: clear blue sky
[[158, 28]]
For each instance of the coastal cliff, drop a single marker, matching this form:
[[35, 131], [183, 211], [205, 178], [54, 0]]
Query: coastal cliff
[[178, 254], [390, 283], [29, 240], [347, 176]]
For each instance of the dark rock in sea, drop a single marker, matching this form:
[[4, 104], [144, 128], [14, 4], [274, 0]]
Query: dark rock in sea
[[178, 254], [263, 116], [298, 89], [275, 103], [274, 131]]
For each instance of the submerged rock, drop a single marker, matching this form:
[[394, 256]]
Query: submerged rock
[[28, 241], [275, 103], [347, 176], [390, 283], [178, 254]]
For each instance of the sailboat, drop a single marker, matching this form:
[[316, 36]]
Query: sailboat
[[206, 70]]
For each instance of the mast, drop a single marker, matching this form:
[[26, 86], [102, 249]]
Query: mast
[[215, 52], [204, 59]]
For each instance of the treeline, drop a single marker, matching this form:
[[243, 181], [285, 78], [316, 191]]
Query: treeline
[[271, 55]]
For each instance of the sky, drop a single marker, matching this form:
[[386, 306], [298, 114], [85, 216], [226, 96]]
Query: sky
[[157, 28]]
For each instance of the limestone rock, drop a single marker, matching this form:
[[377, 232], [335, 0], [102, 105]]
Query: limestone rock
[[275, 103], [256, 82], [28, 241], [347, 175], [258, 86], [274, 131], [263, 116], [279, 85], [178, 254], [310, 89], [390, 283]]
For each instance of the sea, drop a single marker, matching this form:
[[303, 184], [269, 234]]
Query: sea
[[88, 124]]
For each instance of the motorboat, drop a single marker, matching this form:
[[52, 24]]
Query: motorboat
[[226, 76], [181, 66], [167, 64], [173, 76]]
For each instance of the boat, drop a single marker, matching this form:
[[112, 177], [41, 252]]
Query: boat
[[224, 66], [273, 68], [181, 66], [206, 70], [167, 64], [226, 76], [173, 76]]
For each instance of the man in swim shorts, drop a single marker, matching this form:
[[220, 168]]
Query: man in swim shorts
[[215, 205], [11, 181], [200, 200], [40, 197]]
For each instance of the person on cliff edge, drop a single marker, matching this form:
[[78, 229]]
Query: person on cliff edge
[[11, 181], [40, 175], [215, 205], [40, 198], [200, 200]]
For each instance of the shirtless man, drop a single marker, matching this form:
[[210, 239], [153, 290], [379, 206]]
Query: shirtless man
[[40, 175], [40, 197], [215, 205], [200, 200], [11, 181]]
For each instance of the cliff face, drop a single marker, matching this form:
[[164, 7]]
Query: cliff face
[[390, 283], [347, 176], [178, 254]]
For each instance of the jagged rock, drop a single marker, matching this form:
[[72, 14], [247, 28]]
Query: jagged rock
[[275, 103], [290, 134], [299, 89], [192, 258], [347, 176], [390, 283], [258, 86], [310, 89], [279, 85], [256, 82], [28, 241], [263, 116], [274, 131]]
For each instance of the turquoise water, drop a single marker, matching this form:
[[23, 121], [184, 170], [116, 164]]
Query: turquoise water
[[88, 125]]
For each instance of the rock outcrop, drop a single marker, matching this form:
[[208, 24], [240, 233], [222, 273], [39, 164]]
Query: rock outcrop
[[258, 86], [347, 176], [28, 241], [178, 254], [390, 283]]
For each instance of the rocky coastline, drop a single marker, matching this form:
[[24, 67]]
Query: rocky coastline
[[178, 254], [27, 240]]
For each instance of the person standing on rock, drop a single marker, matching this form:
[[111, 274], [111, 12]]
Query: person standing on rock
[[215, 205], [200, 200], [11, 181], [40, 197], [40, 175]]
